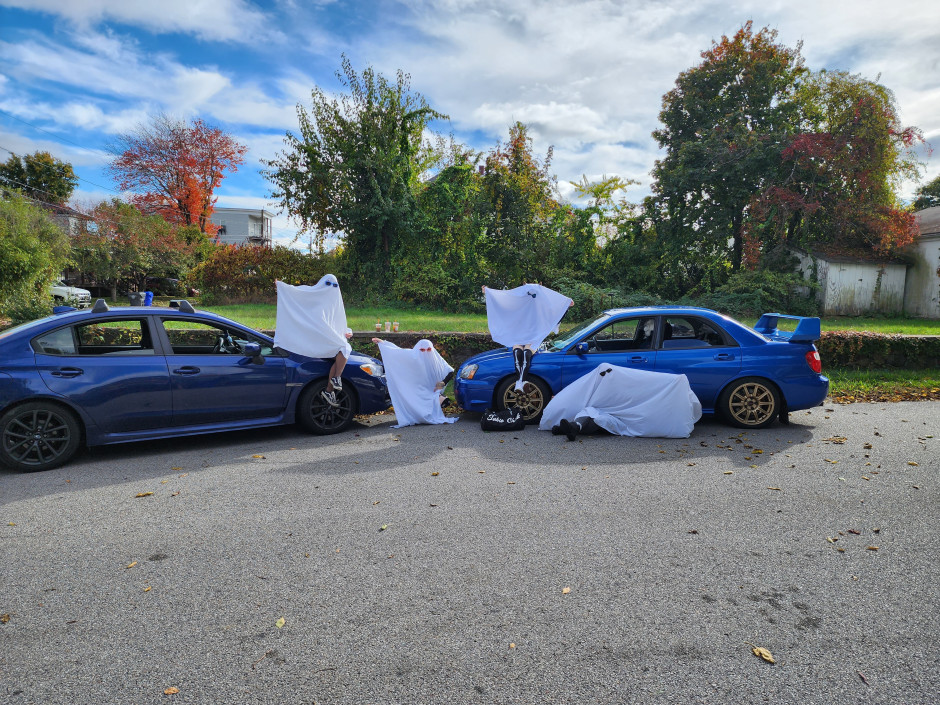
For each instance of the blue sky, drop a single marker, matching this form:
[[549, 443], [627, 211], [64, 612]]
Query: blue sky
[[587, 77]]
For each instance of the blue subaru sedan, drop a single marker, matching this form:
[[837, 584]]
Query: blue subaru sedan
[[750, 376], [103, 376]]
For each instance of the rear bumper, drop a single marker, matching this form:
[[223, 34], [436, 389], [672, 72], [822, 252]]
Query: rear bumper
[[807, 393]]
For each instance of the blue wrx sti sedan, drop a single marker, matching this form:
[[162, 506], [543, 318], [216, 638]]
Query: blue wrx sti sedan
[[750, 376], [104, 376]]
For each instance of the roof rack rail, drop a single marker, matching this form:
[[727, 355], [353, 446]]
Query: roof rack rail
[[100, 306], [183, 305]]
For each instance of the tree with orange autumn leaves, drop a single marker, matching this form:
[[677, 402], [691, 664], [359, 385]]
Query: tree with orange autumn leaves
[[174, 166]]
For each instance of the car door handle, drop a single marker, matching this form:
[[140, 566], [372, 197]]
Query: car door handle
[[67, 372], [639, 358], [724, 356], [187, 370]]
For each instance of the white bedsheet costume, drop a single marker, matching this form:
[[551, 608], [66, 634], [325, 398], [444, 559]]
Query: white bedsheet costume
[[526, 315], [412, 374], [311, 320], [628, 402]]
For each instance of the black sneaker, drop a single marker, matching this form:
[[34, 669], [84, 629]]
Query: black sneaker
[[569, 429], [329, 398], [337, 383], [556, 429]]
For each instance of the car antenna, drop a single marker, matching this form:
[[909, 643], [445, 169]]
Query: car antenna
[[186, 307], [100, 306]]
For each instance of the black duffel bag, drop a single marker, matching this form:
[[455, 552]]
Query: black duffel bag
[[506, 420]]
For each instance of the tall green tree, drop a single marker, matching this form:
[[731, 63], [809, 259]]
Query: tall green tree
[[129, 246], [519, 209], [355, 167], [723, 127], [33, 253], [39, 176], [840, 174]]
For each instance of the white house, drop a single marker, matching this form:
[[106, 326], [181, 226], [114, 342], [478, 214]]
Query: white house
[[922, 291], [243, 226]]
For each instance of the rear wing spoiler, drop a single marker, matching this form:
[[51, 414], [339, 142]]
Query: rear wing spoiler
[[807, 329]]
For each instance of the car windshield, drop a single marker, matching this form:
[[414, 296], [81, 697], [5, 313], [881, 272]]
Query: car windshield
[[565, 338]]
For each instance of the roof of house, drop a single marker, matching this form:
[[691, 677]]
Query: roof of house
[[928, 220]]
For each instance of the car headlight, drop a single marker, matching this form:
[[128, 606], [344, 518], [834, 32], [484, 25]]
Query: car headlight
[[467, 371], [373, 368]]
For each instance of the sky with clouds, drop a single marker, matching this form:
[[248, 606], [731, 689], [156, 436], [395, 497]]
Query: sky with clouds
[[586, 76]]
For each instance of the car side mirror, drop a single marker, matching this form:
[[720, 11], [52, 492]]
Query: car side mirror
[[581, 348], [253, 350]]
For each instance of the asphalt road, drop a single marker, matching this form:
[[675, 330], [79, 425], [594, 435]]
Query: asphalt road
[[445, 565]]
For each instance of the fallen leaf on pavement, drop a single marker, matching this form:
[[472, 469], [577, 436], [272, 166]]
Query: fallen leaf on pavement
[[762, 653], [872, 548], [148, 589], [143, 494], [280, 623], [171, 691], [131, 565], [565, 591], [774, 488]]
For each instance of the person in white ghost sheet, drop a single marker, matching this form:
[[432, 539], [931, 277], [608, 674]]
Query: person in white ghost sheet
[[415, 378], [311, 321], [522, 318]]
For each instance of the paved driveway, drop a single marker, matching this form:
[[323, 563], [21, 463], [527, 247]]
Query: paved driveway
[[512, 568]]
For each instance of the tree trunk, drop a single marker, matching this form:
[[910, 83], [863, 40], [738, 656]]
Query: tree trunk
[[737, 251]]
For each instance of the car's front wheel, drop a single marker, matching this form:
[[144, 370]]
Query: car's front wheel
[[750, 402], [38, 436], [318, 416], [532, 399]]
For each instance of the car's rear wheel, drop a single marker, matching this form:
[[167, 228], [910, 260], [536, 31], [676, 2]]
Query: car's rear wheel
[[751, 402], [38, 436], [532, 399], [318, 416]]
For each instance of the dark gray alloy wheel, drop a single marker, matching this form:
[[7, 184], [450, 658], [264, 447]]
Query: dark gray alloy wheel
[[316, 415], [38, 436]]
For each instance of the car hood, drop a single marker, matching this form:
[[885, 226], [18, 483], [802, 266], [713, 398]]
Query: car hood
[[488, 356]]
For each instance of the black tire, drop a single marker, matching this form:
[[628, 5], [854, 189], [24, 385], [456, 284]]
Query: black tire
[[319, 417], [532, 399], [38, 436], [750, 402]]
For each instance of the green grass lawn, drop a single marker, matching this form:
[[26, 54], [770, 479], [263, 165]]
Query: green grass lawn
[[262, 316], [883, 385]]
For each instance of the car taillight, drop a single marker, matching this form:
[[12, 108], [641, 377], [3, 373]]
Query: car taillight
[[814, 361]]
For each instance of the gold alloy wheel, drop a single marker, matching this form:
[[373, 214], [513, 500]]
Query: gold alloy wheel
[[530, 400], [752, 404]]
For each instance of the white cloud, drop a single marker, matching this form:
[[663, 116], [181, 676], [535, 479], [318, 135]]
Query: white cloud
[[211, 20]]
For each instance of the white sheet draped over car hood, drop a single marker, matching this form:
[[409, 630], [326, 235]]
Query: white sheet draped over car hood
[[311, 320], [412, 376], [628, 402], [525, 315]]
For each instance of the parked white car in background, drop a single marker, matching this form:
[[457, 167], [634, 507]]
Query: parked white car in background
[[62, 294]]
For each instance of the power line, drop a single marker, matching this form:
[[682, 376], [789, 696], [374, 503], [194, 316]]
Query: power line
[[36, 127]]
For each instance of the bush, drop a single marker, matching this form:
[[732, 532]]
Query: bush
[[33, 252], [241, 274], [753, 292], [591, 301], [426, 283]]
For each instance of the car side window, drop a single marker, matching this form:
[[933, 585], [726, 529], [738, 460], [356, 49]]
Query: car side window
[[189, 337], [623, 335], [113, 337], [690, 332]]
